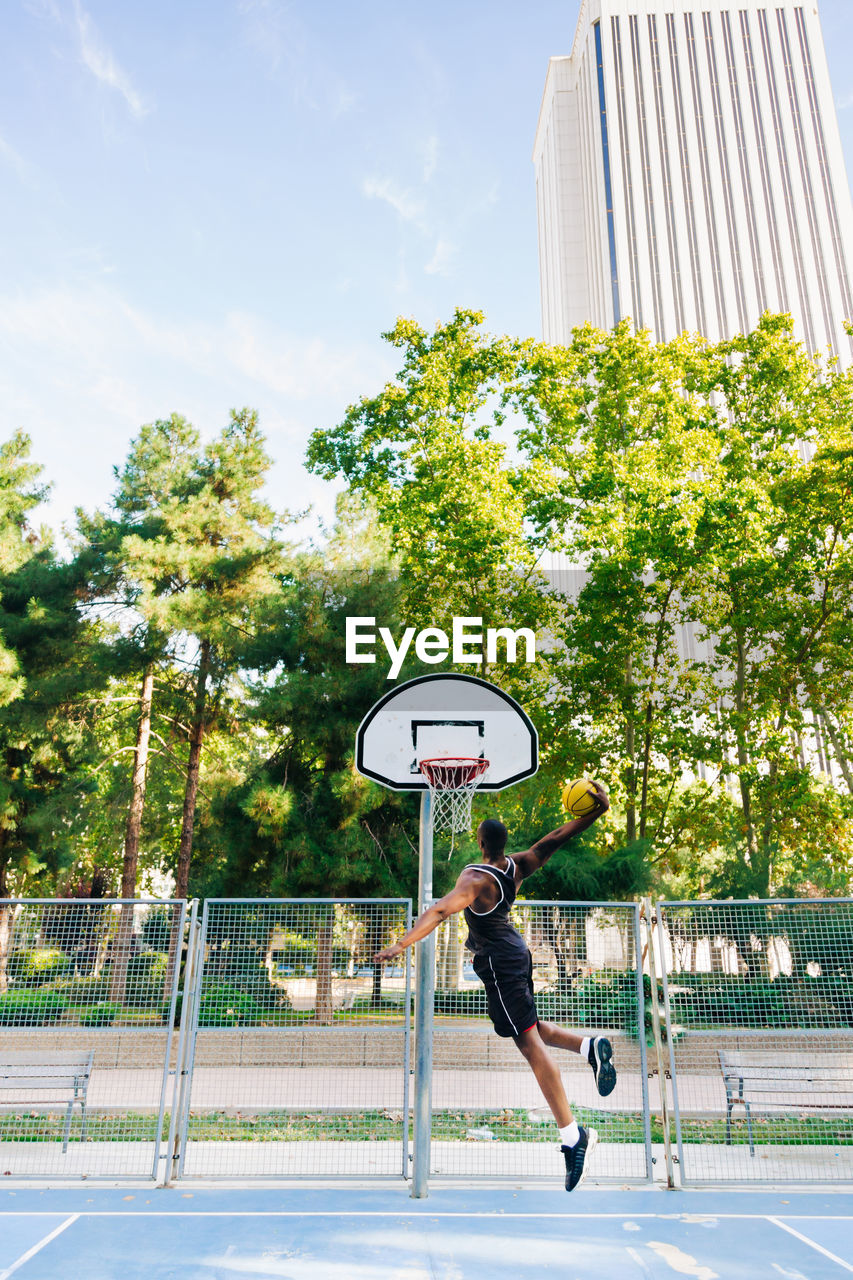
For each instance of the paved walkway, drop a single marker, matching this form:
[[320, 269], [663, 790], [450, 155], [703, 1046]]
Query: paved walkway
[[235, 1088]]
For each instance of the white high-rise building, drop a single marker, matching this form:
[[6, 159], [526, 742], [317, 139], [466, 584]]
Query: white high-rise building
[[689, 173]]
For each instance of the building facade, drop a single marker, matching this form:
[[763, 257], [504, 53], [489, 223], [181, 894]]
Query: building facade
[[689, 173]]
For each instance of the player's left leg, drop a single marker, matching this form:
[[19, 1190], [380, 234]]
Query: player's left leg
[[547, 1074], [577, 1143], [597, 1050]]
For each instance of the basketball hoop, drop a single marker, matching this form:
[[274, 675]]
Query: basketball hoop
[[452, 781]]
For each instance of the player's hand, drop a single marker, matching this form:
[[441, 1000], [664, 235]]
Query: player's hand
[[603, 798], [390, 953]]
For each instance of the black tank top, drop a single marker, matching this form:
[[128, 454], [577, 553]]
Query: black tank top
[[490, 932]]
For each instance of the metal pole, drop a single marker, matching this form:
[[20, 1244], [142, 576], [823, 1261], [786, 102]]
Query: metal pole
[[650, 919], [424, 996]]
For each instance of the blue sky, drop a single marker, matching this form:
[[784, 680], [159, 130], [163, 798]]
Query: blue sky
[[212, 203]]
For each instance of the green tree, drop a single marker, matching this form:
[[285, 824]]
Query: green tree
[[50, 661], [622, 454], [777, 537], [676, 474], [430, 453], [302, 821]]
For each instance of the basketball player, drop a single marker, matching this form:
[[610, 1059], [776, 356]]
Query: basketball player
[[485, 892]]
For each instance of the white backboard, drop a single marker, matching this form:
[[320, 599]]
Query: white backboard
[[446, 715]]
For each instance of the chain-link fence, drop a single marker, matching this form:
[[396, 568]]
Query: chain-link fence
[[758, 1000], [489, 1118], [87, 1005], [293, 1049], [298, 1044]]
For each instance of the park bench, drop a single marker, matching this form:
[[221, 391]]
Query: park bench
[[801, 1082], [60, 1075]]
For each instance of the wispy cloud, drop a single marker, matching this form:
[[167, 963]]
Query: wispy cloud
[[430, 157], [99, 59], [842, 104], [441, 260], [11, 157], [83, 368], [98, 337], [400, 199], [284, 42]]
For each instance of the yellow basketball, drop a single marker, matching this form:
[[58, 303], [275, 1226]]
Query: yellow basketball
[[579, 798]]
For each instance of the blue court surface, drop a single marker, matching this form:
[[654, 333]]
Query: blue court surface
[[341, 1233]]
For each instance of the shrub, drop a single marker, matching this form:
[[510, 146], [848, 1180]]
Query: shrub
[[146, 974], [102, 1014], [157, 928], [38, 967], [31, 1008], [227, 1006], [85, 991]]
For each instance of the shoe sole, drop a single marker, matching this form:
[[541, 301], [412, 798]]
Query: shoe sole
[[591, 1144], [605, 1078]]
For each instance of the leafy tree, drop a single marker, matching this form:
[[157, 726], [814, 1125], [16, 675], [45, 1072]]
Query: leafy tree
[[302, 822], [703, 489], [776, 538], [430, 453], [49, 657], [678, 475], [622, 453]]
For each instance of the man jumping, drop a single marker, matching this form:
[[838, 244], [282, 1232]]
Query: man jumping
[[485, 892]]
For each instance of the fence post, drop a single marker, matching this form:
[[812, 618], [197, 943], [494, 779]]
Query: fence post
[[189, 1025], [424, 1008], [176, 1119], [648, 914]]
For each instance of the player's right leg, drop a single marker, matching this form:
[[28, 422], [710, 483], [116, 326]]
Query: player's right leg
[[577, 1143], [597, 1050]]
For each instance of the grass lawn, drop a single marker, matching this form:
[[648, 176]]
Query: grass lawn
[[447, 1126]]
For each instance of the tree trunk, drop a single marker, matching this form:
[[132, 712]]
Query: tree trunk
[[376, 993], [453, 957], [631, 773], [323, 1006], [663, 625], [190, 795], [121, 953], [838, 750], [743, 754], [5, 924], [193, 772]]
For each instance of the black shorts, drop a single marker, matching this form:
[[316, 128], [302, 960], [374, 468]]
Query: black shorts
[[509, 990]]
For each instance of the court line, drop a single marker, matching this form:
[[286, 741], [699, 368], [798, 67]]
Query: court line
[[408, 1213], [833, 1257], [25, 1257]]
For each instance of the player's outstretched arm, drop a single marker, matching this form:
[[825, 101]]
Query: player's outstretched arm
[[539, 853], [462, 894]]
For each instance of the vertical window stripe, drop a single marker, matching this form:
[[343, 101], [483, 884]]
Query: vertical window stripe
[[669, 208], [625, 151], [823, 160], [705, 177], [746, 185], [805, 173], [687, 183], [608, 189], [782, 153], [782, 303], [737, 269]]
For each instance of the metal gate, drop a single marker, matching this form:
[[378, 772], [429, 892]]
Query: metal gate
[[489, 1119], [758, 1023], [298, 1046], [87, 1008]]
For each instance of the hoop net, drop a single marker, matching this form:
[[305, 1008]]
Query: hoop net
[[452, 781]]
